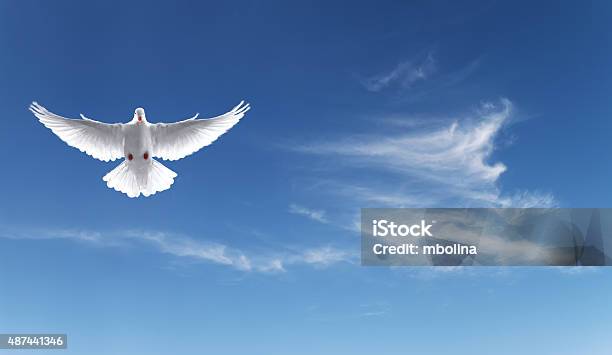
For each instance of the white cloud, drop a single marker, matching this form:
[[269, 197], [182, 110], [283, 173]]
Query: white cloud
[[528, 199], [376, 309], [404, 75], [456, 154], [323, 256], [188, 247], [443, 165], [195, 249], [316, 215]]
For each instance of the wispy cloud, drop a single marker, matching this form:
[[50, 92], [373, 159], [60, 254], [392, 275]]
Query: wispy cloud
[[316, 215], [443, 82], [456, 154], [443, 165], [376, 309], [324, 256], [527, 199], [195, 249], [404, 75]]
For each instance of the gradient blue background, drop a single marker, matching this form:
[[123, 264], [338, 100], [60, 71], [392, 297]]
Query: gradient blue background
[[297, 64]]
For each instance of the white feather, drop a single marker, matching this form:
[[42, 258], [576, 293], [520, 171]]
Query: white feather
[[130, 182], [173, 141], [100, 140]]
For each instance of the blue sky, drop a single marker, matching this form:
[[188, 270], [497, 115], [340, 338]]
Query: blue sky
[[355, 104]]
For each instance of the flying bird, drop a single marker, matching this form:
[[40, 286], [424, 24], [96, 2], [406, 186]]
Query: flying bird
[[138, 143]]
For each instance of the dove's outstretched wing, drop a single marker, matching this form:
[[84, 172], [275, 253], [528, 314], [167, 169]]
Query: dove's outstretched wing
[[100, 140], [173, 141]]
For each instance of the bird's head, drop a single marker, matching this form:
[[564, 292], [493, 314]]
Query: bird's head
[[139, 115]]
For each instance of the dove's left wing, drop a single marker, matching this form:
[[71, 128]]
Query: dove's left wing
[[100, 140], [173, 141]]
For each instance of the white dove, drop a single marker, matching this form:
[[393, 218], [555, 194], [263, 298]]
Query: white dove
[[138, 142]]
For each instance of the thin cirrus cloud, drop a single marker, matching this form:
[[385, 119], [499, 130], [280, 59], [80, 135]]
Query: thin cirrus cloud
[[315, 215], [194, 249], [446, 165], [416, 80], [404, 75]]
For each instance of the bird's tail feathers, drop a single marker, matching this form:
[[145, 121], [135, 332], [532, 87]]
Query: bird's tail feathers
[[154, 179]]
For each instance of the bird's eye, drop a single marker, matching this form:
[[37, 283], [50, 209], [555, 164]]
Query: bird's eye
[[130, 156], [146, 155]]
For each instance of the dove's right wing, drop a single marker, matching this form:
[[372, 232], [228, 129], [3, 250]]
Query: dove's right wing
[[173, 141], [100, 140]]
